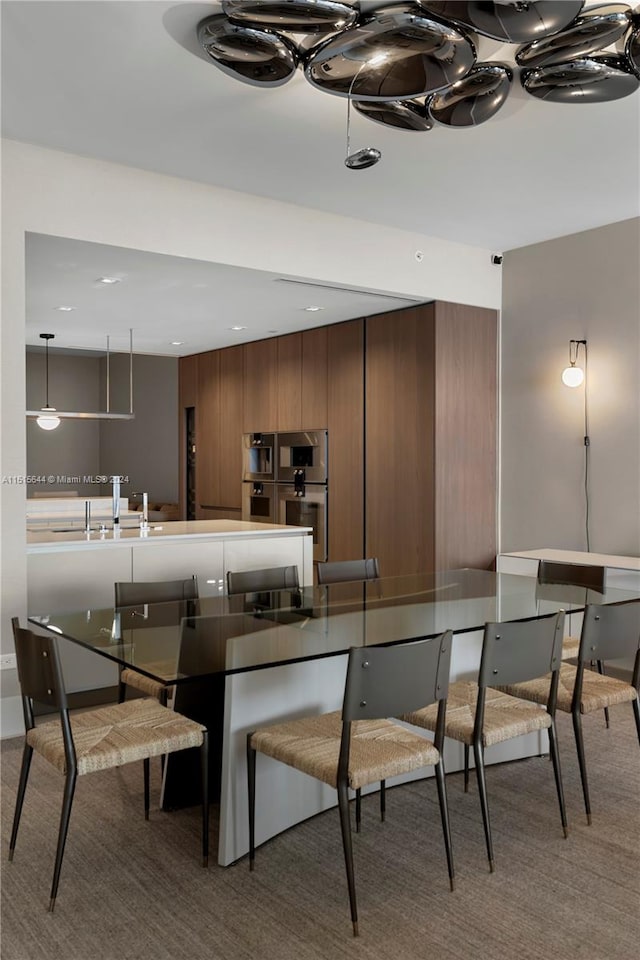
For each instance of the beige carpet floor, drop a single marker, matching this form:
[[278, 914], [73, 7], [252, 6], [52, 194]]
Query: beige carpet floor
[[135, 890]]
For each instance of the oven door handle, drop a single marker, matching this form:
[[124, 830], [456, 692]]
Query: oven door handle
[[298, 482]]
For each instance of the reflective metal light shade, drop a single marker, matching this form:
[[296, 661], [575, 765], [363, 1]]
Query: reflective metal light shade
[[509, 21], [294, 16], [255, 56], [362, 159], [595, 29], [589, 80], [474, 99], [632, 50], [397, 54], [400, 114]]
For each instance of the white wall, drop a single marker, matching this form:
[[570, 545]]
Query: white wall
[[59, 194], [584, 286]]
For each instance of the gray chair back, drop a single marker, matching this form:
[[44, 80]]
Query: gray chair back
[[339, 571], [610, 632], [271, 578], [389, 681], [155, 591], [517, 651]]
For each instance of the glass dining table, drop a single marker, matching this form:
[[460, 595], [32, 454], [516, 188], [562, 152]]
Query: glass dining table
[[238, 662]]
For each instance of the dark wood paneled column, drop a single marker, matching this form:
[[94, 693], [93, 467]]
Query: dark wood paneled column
[[399, 440]]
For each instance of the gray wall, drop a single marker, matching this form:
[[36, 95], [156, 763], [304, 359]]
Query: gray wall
[[144, 449], [73, 448], [584, 286]]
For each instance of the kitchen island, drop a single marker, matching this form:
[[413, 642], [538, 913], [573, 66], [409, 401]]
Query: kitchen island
[[71, 570]]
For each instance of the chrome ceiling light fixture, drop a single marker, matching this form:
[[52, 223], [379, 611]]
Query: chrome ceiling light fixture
[[47, 420], [419, 64]]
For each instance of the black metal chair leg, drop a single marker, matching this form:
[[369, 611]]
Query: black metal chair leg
[[251, 784], [577, 729], [600, 666], [383, 799], [145, 765], [557, 773], [69, 789], [636, 713], [204, 768], [345, 826], [466, 768], [358, 810], [122, 691], [478, 756], [444, 816], [27, 754]]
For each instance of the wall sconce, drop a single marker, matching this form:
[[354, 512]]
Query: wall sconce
[[573, 376]]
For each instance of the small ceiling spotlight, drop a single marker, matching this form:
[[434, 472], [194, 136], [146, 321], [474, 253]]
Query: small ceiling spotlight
[[573, 376], [109, 280], [236, 328], [177, 343], [65, 309], [313, 309]]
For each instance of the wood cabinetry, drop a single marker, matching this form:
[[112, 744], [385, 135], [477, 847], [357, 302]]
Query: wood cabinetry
[[219, 425], [260, 386], [345, 421], [430, 438], [399, 440], [409, 400]]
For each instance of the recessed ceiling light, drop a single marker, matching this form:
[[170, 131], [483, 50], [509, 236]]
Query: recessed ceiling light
[[313, 309], [109, 279], [237, 328], [177, 343], [65, 309]]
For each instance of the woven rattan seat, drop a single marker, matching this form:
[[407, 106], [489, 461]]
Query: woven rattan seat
[[146, 685], [94, 740], [609, 632], [118, 734], [379, 748], [505, 717], [570, 648], [479, 716], [360, 745]]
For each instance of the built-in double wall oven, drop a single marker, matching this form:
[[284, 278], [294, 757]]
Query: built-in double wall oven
[[285, 480]]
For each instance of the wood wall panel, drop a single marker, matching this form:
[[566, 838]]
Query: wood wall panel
[[466, 436], [207, 420], [345, 422], [261, 386], [399, 439], [314, 378], [187, 397], [230, 429], [290, 382]]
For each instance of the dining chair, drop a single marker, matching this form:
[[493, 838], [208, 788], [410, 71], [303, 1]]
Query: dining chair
[[137, 593], [360, 745], [94, 740], [270, 578], [552, 573], [338, 571], [480, 716], [609, 632]]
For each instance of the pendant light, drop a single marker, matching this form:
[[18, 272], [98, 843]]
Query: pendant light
[[573, 376], [47, 421]]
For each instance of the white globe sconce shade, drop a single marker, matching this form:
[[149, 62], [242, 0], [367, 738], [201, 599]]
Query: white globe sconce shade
[[572, 376]]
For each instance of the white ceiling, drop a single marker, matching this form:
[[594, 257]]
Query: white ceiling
[[125, 82]]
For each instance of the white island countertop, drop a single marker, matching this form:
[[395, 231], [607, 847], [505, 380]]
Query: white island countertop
[[47, 540], [611, 561]]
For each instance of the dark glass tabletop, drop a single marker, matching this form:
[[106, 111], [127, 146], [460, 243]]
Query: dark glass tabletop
[[183, 640]]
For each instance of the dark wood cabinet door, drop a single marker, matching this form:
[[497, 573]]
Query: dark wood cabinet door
[[290, 382], [260, 386], [466, 436], [207, 420], [399, 471], [314, 378], [345, 421], [231, 407]]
